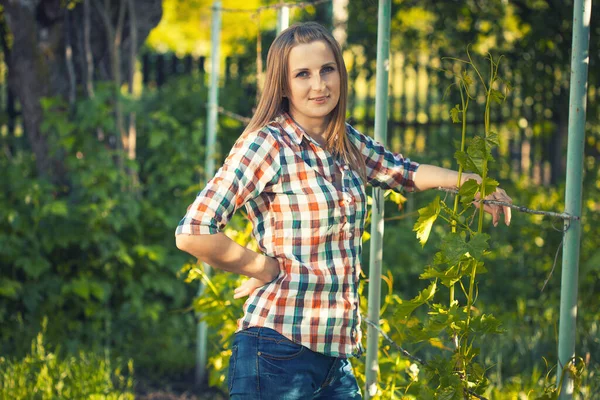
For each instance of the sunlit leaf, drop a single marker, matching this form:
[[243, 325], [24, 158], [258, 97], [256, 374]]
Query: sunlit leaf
[[427, 216], [9, 288], [366, 236], [403, 309], [396, 197]]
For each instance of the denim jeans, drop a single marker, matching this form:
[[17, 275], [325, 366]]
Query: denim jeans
[[265, 365]]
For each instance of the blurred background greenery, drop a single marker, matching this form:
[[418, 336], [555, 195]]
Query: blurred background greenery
[[102, 150]]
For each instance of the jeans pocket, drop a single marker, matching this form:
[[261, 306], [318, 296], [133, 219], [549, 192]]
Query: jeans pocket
[[279, 348], [231, 370]]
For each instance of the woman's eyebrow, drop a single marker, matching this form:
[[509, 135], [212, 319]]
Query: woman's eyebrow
[[332, 63]]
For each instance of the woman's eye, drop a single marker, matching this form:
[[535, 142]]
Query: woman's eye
[[328, 69], [302, 74]]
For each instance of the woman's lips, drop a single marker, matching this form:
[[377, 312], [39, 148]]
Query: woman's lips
[[320, 99]]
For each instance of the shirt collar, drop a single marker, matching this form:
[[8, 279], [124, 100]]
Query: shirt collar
[[291, 127]]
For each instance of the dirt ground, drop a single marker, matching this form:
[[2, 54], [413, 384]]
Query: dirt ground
[[164, 395]]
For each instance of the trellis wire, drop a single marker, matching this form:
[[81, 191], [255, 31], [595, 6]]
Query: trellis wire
[[562, 215]]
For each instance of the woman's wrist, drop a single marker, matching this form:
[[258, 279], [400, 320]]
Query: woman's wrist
[[268, 270], [466, 176]]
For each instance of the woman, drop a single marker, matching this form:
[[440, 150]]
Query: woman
[[300, 171]]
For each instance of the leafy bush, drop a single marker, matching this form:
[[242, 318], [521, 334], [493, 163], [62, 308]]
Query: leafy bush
[[44, 374], [97, 254]]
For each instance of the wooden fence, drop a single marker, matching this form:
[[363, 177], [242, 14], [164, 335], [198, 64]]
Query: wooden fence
[[528, 124]]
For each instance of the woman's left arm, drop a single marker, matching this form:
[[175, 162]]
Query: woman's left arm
[[431, 177]]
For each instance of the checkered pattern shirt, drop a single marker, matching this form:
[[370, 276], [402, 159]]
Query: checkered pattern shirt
[[311, 226]]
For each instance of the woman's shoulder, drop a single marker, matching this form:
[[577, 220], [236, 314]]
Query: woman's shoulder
[[267, 136], [355, 135]]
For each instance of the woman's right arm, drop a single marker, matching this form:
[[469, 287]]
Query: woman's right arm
[[219, 251], [251, 166]]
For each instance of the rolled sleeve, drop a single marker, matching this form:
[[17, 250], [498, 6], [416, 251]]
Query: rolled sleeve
[[385, 169], [252, 165]]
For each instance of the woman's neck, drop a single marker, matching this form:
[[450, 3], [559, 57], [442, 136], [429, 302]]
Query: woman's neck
[[315, 129]]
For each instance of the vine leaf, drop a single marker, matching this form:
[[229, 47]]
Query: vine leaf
[[427, 216], [455, 246], [492, 139], [406, 307], [497, 96], [467, 79], [455, 114], [467, 162], [490, 185], [447, 277], [479, 151], [468, 190], [485, 323]]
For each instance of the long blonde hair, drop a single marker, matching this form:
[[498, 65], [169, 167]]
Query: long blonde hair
[[273, 101]]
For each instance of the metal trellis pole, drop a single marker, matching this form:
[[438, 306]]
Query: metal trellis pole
[[283, 19], [209, 167], [381, 119], [582, 10]]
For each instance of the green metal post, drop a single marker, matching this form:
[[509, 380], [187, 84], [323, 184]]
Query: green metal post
[[381, 120], [209, 167], [582, 10]]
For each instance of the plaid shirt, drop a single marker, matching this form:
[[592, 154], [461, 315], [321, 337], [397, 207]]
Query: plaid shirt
[[311, 226]]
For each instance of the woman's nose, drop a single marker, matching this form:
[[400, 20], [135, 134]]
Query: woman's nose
[[318, 83]]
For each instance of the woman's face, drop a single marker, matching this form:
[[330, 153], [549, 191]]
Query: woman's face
[[313, 83]]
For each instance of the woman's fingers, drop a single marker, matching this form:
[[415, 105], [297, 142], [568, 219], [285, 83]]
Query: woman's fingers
[[246, 288], [495, 210], [507, 215]]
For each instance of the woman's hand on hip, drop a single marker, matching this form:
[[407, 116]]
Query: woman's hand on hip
[[246, 288], [270, 272]]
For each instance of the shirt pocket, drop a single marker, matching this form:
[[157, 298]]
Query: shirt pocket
[[307, 213]]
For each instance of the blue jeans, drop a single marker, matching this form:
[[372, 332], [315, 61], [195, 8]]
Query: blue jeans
[[265, 365]]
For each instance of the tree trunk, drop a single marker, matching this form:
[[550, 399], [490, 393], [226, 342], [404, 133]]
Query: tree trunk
[[37, 64], [29, 72]]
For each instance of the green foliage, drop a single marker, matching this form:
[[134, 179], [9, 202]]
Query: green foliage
[[96, 253], [44, 374], [216, 304], [455, 370]]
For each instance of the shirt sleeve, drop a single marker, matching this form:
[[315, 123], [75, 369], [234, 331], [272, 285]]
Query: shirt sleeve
[[385, 169], [252, 164]]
